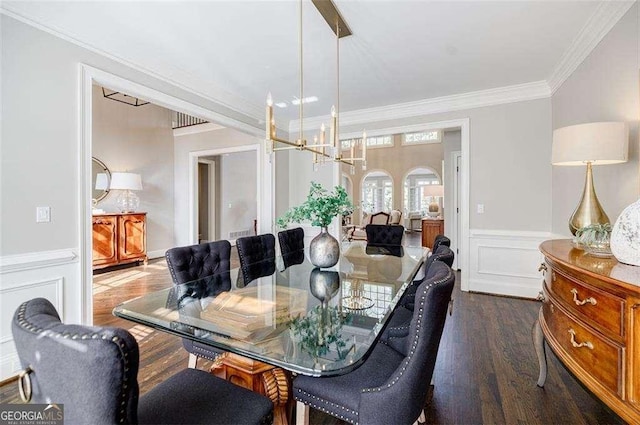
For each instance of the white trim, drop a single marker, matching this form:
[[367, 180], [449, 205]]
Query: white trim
[[158, 253], [36, 260], [456, 102], [223, 98], [196, 129], [606, 15], [508, 234], [505, 262], [454, 206]]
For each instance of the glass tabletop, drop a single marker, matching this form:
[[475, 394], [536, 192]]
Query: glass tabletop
[[286, 312]]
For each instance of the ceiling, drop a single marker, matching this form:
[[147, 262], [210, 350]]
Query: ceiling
[[400, 51]]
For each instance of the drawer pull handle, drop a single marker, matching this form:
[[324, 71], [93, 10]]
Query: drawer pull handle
[[587, 344], [589, 300], [542, 268]]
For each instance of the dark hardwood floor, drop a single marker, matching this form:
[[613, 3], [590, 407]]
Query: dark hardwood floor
[[485, 372]]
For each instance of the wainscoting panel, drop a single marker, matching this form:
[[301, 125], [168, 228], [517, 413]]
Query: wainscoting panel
[[53, 275], [506, 262]]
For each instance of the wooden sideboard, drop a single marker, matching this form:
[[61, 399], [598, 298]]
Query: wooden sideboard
[[431, 227], [590, 318], [119, 239]]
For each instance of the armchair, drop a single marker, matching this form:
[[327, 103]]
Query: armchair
[[360, 234], [391, 386], [93, 372]]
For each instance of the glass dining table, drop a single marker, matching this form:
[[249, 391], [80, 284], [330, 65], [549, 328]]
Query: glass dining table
[[284, 311]]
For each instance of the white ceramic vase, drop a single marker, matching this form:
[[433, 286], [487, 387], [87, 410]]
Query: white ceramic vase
[[625, 236]]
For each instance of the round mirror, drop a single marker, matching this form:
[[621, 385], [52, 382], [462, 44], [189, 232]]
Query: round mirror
[[100, 180]]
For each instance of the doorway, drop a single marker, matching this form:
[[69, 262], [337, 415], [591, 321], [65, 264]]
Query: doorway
[[207, 201], [90, 76]]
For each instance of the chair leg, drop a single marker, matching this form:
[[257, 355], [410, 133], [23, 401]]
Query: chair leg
[[193, 361], [302, 413]]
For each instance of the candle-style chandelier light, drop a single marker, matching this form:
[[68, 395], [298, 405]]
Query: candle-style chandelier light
[[321, 149]]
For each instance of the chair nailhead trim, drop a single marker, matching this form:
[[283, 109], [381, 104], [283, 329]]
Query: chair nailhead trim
[[414, 345], [25, 324]]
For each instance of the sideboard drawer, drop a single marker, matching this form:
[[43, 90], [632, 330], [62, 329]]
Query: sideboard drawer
[[596, 356], [603, 308]]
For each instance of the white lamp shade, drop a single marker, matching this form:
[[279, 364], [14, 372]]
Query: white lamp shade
[[433, 190], [126, 181], [102, 183], [599, 143]]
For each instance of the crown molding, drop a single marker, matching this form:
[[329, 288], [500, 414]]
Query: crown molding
[[457, 102], [223, 98], [606, 15]]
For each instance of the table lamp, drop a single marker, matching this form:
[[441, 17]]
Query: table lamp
[[597, 143], [128, 201], [435, 191]]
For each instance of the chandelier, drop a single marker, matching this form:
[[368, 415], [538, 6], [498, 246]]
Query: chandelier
[[321, 149]]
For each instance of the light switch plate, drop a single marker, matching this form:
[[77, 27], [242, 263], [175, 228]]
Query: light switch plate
[[43, 214], [480, 208]]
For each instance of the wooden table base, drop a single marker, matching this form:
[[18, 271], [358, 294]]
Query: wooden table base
[[263, 378]]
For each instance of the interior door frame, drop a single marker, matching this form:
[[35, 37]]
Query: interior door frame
[[211, 207], [456, 161], [194, 158]]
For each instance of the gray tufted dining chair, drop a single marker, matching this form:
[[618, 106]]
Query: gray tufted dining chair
[[199, 271], [391, 386], [257, 257], [93, 372]]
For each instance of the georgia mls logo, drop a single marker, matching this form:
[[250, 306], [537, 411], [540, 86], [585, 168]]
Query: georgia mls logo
[[31, 414]]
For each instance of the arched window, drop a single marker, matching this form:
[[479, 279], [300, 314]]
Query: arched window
[[414, 198], [377, 192]]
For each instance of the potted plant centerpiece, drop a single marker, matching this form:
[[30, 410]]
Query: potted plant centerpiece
[[320, 208]]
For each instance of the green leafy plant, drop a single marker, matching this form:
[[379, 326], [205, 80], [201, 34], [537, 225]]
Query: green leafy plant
[[319, 329], [594, 234], [320, 207]]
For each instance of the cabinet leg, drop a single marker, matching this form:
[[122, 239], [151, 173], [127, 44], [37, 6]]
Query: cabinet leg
[[538, 343]]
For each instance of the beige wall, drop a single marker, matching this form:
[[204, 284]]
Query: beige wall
[[238, 202], [397, 161], [138, 140], [603, 88]]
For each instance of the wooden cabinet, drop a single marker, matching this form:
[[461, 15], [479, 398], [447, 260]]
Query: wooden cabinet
[[590, 319], [430, 229], [119, 239]]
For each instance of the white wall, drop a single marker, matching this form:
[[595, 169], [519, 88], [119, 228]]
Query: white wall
[[238, 203], [603, 88], [138, 140]]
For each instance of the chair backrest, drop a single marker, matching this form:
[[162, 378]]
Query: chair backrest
[[257, 256], [401, 398], [379, 218], [440, 240], [91, 370], [395, 217], [292, 246], [200, 270], [381, 234]]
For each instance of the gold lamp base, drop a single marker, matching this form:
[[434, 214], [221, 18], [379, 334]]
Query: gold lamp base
[[589, 211]]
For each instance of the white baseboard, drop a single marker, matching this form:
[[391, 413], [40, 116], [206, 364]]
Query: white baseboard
[[506, 262], [159, 253]]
